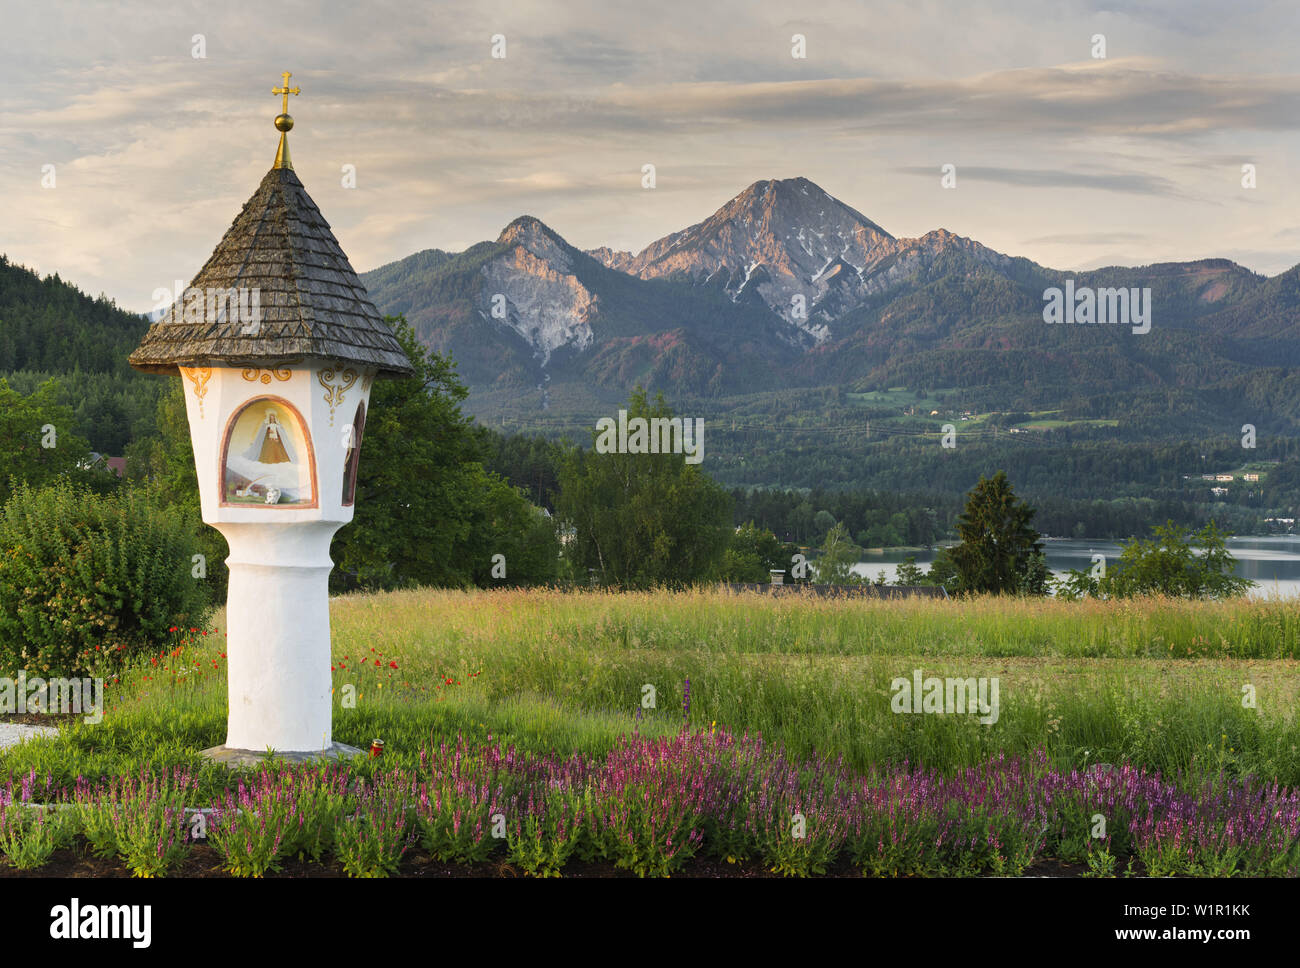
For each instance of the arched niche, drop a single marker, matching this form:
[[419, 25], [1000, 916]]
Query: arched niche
[[267, 459], [353, 459]]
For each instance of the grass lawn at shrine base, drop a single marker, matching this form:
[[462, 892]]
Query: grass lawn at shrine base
[[1201, 693]]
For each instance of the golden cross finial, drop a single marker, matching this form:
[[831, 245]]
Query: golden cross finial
[[284, 123], [286, 91]]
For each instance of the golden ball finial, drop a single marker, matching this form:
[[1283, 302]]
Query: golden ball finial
[[284, 123]]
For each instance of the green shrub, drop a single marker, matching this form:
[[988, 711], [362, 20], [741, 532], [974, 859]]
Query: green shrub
[[88, 581], [29, 835]]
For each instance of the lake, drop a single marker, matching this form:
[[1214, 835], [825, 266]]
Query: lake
[[1272, 562]]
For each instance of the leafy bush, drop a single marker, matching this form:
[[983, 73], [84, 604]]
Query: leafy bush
[[323, 800], [146, 813], [458, 807], [372, 841], [544, 839], [30, 832], [28, 836], [87, 581], [752, 554], [250, 828], [1176, 562], [94, 818]]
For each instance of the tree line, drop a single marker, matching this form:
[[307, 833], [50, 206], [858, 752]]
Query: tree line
[[442, 500]]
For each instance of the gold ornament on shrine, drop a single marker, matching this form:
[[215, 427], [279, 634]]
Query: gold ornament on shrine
[[284, 123]]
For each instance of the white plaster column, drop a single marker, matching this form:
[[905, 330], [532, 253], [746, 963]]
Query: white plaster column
[[278, 636]]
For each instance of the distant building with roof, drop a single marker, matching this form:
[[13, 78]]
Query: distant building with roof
[[102, 462]]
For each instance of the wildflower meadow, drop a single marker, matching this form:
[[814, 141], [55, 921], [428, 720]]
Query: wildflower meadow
[[542, 732]]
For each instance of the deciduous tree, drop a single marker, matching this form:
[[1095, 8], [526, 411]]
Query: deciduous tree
[[643, 519]]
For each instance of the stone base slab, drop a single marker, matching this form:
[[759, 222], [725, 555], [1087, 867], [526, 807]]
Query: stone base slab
[[238, 759]]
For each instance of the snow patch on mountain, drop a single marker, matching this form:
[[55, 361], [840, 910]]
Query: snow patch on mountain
[[787, 227]]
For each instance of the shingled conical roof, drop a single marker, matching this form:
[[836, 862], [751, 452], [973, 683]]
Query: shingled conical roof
[[312, 303]]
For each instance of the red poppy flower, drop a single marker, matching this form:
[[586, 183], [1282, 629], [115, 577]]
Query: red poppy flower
[[392, 665]]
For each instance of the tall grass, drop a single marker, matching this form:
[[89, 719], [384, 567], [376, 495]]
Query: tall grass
[[1158, 683], [722, 622]]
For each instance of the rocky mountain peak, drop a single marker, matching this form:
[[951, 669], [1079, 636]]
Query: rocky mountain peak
[[535, 236], [531, 288], [790, 227]]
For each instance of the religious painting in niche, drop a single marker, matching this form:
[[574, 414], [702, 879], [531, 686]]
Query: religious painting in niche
[[268, 460], [354, 455]]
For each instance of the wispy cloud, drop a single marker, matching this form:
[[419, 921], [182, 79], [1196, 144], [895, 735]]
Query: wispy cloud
[[156, 150], [1138, 183]]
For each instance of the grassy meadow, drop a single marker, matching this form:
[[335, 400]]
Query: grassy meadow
[[1157, 683]]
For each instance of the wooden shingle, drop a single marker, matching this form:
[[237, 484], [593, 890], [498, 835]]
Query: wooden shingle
[[312, 303]]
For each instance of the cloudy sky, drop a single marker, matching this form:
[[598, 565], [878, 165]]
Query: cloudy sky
[[1067, 159]]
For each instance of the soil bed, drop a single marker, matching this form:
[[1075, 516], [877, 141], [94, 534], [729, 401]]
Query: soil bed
[[206, 862]]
